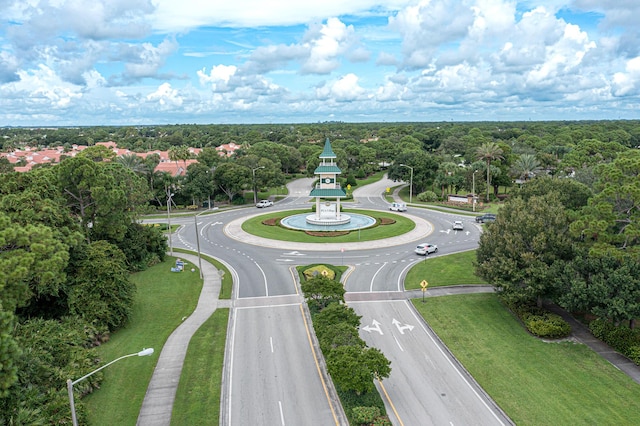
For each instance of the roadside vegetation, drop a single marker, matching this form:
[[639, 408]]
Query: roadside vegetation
[[352, 365], [163, 300], [535, 382]]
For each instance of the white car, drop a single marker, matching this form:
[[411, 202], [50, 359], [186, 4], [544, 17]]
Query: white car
[[458, 225], [425, 248], [264, 203], [398, 207]]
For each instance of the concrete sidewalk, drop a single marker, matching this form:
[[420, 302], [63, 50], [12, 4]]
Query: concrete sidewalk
[[158, 401]]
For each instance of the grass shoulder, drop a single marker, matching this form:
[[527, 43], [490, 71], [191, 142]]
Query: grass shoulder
[[452, 269], [163, 299], [533, 381]]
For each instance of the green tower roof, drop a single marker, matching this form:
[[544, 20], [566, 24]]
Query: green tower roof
[[327, 152]]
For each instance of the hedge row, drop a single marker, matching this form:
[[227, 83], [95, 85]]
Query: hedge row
[[622, 339]]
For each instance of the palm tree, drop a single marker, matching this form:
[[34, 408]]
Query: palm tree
[[488, 152], [445, 173], [526, 165], [177, 153], [133, 163]]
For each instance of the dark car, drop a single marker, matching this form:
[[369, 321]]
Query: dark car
[[487, 217]]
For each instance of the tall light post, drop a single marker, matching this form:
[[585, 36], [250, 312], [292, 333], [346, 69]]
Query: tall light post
[[195, 220], [169, 195], [410, 182], [473, 190], [70, 383], [255, 192]]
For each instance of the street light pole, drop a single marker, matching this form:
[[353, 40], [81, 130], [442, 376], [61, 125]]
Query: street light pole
[[410, 182], [70, 383], [473, 190], [255, 195], [195, 219], [169, 195]]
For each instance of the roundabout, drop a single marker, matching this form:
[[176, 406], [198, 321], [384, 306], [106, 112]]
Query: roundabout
[[422, 230]]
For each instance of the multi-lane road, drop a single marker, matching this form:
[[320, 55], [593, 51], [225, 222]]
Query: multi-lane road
[[274, 374]]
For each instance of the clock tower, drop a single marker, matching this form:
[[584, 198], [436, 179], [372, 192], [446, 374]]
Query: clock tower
[[327, 187]]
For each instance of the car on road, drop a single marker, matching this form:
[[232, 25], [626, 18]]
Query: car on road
[[425, 248], [398, 207], [264, 203], [487, 217], [458, 225]]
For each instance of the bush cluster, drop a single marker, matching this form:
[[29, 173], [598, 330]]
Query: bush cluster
[[622, 339], [541, 323], [547, 325]]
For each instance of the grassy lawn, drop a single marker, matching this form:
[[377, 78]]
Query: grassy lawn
[[452, 269], [256, 227], [370, 179], [535, 383], [198, 396], [163, 299]]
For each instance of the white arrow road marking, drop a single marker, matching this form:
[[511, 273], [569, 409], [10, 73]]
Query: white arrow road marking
[[293, 253], [402, 328], [446, 232], [216, 223], [284, 260], [468, 232], [376, 327]]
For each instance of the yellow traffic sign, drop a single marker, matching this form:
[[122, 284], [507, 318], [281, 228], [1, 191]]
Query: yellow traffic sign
[[424, 284], [388, 189]]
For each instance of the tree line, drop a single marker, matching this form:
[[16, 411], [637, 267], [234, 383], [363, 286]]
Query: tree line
[[69, 239]]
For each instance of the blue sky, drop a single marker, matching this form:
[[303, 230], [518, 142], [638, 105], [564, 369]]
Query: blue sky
[[135, 62]]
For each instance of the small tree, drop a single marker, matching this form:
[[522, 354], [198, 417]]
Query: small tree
[[321, 291]]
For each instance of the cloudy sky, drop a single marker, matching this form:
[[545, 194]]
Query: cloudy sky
[[127, 62]]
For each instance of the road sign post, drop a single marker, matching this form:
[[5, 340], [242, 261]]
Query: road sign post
[[424, 284]]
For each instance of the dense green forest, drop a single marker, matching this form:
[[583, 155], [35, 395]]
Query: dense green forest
[[568, 229]]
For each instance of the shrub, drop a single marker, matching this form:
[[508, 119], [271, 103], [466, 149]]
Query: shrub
[[622, 339], [634, 354], [427, 196], [192, 207], [365, 415], [382, 421], [540, 322], [549, 325]]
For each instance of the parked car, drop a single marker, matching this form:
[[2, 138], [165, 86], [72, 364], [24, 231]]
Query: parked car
[[458, 225], [487, 217], [398, 207], [264, 203], [425, 248]]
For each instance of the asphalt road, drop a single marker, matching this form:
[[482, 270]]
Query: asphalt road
[[271, 374]]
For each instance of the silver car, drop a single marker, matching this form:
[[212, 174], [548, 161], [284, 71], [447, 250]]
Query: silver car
[[425, 248], [264, 203]]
